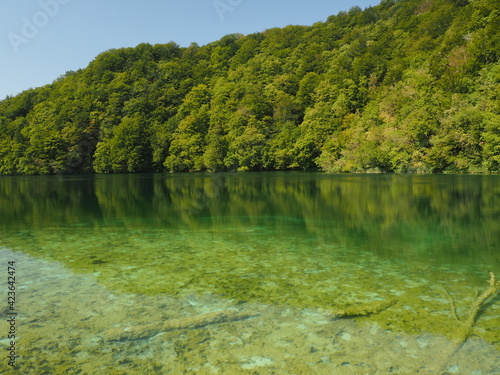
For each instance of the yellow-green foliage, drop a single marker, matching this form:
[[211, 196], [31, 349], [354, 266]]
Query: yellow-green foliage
[[404, 86]]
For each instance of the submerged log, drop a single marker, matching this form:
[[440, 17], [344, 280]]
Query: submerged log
[[466, 325], [362, 309], [148, 330]]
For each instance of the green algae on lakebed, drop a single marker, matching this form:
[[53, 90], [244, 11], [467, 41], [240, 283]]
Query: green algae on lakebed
[[63, 316], [244, 265], [108, 253]]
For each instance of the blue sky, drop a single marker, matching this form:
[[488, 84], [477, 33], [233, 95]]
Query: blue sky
[[42, 39]]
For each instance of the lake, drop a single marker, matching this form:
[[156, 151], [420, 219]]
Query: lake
[[251, 273]]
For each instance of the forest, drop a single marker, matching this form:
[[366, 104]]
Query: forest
[[407, 86]]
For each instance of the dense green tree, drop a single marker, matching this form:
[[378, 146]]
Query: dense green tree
[[126, 150], [188, 141], [404, 86]]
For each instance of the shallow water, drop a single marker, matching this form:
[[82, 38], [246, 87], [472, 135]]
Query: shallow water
[[277, 254]]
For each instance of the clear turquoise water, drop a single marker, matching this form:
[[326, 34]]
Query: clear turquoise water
[[101, 253]]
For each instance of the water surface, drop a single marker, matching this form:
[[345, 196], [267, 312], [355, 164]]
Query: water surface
[[284, 250]]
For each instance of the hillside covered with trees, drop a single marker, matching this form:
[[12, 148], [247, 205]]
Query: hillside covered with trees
[[405, 86]]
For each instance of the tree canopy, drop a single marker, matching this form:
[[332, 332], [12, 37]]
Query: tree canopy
[[404, 86]]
